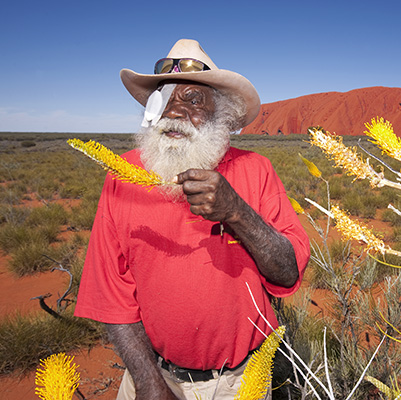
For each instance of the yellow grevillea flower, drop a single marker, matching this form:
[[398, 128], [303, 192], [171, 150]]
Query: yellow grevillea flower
[[296, 206], [258, 373], [388, 392], [384, 137], [356, 230], [345, 157], [116, 165], [58, 377], [313, 170]]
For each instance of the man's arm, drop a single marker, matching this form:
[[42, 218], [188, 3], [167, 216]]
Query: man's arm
[[135, 349], [212, 197]]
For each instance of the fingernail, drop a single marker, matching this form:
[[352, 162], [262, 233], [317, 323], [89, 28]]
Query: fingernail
[[175, 179]]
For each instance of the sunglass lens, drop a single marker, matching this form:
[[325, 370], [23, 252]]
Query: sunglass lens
[[189, 65], [163, 66]]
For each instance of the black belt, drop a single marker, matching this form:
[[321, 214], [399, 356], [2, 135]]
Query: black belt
[[194, 375], [187, 374]]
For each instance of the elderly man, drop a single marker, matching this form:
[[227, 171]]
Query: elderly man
[[167, 269]]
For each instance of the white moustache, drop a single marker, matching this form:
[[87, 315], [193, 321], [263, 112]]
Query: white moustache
[[176, 128]]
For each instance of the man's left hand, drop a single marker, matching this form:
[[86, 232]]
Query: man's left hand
[[209, 194]]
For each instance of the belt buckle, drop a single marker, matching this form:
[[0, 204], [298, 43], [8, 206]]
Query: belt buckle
[[173, 370]]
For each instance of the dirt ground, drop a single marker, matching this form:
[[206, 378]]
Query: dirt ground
[[100, 368]]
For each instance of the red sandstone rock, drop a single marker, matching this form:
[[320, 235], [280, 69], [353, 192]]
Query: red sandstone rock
[[340, 113]]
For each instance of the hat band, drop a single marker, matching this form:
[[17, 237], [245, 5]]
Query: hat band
[[171, 65]]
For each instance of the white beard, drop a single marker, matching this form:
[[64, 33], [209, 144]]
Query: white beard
[[200, 148]]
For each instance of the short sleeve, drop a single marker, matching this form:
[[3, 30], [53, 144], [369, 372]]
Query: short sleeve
[[107, 288]]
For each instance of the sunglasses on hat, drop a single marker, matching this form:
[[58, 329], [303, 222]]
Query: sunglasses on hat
[[167, 65]]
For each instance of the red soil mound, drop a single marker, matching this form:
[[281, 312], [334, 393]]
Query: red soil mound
[[340, 113]]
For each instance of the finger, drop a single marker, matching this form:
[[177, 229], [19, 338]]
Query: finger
[[201, 199], [198, 187], [192, 175]]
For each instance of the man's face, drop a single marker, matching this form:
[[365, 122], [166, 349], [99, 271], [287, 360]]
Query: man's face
[[190, 134], [190, 102]]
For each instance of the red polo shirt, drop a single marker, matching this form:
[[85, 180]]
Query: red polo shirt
[[153, 261]]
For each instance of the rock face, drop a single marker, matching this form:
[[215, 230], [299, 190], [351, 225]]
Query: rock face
[[340, 113]]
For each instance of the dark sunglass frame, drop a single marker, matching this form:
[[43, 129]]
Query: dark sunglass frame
[[177, 62]]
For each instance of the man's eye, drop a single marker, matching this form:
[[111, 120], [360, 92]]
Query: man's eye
[[194, 101]]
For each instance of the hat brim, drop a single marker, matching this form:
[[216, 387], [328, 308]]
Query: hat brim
[[141, 86]]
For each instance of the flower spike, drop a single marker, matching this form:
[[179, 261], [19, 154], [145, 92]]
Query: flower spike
[[257, 376], [58, 377], [383, 136], [116, 165]]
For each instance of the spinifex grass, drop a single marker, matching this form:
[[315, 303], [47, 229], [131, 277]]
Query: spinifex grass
[[24, 340], [116, 165]]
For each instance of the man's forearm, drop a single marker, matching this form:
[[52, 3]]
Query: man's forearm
[[134, 348], [272, 252]]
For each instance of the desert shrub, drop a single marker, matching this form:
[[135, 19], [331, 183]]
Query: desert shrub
[[27, 239], [352, 202], [396, 237], [53, 213], [73, 190], [45, 189], [76, 268], [28, 143], [391, 217], [83, 216], [24, 340], [337, 188], [13, 215], [388, 195], [28, 257], [12, 235], [66, 252], [49, 231], [12, 193]]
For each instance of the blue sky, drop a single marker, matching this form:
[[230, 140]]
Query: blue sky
[[60, 60]]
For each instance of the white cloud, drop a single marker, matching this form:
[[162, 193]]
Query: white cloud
[[14, 120]]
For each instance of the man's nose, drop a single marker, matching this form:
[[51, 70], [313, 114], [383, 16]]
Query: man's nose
[[175, 110]]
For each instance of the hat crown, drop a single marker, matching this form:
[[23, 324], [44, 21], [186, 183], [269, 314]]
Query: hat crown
[[188, 48]]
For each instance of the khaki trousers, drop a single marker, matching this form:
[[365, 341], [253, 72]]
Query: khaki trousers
[[224, 388]]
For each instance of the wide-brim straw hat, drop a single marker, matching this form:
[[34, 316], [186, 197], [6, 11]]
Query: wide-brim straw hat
[[141, 86]]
